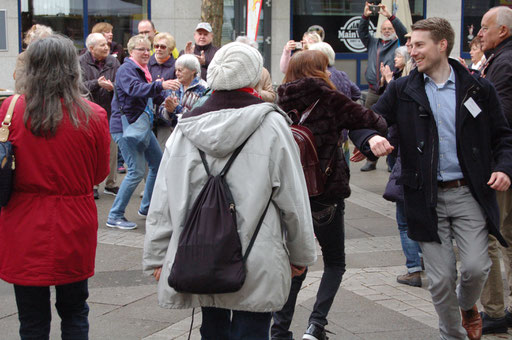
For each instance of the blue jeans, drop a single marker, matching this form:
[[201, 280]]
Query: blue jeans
[[225, 324], [136, 163], [35, 315], [410, 248], [331, 238]]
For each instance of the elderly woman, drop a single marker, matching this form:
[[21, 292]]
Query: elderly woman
[[48, 230], [161, 63], [116, 50], [308, 38], [35, 32], [99, 73], [190, 88], [401, 59], [234, 114], [134, 87]]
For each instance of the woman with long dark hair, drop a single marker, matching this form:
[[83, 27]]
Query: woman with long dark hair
[[307, 81], [48, 230]]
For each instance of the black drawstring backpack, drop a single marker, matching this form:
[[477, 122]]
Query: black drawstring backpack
[[209, 256]]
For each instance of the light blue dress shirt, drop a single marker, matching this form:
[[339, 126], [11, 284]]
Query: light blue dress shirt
[[442, 99]]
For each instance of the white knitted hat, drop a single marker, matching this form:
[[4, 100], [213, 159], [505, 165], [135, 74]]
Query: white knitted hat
[[234, 66]]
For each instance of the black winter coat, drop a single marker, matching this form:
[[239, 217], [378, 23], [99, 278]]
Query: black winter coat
[[499, 72], [484, 145], [334, 112], [90, 74]]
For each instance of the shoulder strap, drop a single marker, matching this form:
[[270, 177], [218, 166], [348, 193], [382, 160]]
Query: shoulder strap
[[306, 112], [4, 130], [328, 168], [253, 238]]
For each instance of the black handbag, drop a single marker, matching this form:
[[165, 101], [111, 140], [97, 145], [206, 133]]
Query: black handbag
[[7, 163]]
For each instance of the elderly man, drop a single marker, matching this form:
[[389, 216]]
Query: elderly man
[[147, 28], [203, 48], [495, 35], [99, 73], [380, 51]]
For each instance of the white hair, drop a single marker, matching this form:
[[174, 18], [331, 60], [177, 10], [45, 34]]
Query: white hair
[[189, 61], [402, 50], [326, 49], [504, 17], [93, 39], [246, 40]]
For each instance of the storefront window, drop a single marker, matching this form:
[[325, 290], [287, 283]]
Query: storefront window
[[340, 20], [473, 13], [68, 17], [64, 16]]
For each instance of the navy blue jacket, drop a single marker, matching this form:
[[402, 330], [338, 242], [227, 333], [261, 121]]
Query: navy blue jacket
[[133, 92], [484, 145], [165, 70]]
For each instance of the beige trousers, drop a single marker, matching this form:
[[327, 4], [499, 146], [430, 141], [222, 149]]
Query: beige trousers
[[493, 298]]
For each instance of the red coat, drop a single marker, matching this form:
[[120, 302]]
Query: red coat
[[48, 230]]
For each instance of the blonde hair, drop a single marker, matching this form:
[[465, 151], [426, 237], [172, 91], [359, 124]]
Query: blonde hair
[[137, 39], [169, 39], [37, 32]]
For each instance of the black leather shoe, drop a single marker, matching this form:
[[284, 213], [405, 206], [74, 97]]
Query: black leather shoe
[[315, 332], [493, 325]]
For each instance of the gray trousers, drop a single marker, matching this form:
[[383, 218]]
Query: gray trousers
[[459, 217]]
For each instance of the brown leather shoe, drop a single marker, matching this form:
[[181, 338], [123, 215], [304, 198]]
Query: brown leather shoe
[[472, 322]]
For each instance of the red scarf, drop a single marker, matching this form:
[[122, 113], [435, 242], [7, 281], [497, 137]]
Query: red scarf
[[145, 69], [249, 90]]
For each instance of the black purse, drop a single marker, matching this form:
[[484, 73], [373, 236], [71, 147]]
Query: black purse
[[7, 164]]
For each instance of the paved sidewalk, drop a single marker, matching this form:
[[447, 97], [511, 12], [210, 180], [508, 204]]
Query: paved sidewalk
[[369, 305]]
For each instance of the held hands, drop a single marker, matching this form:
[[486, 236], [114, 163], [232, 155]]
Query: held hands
[[171, 84], [290, 45], [499, 181], [105, 84], [380, 146], [189, 48], [157, 272], [171, 103], [201, 58], [386, 72], [357, 156], [296, 270], [383, 10]]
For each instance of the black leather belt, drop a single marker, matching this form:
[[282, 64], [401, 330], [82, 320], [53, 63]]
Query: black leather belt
[[452, 184]]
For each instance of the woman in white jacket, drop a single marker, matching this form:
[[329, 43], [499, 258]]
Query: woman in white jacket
[[268, 166]]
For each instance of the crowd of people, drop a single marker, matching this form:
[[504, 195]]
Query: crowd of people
[[444, 128]]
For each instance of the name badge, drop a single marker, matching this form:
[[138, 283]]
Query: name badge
[[472, 107]]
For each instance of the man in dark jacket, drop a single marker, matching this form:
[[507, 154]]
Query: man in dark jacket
[[380, 51], [496, 37], [98, 74], [456, 151], [203, 48]]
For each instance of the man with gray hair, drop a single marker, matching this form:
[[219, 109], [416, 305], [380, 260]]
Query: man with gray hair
[[380, 52], [98, 74], [495, 35]]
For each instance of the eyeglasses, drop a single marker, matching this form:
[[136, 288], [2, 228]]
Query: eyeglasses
[[157, 46], [142, 49]]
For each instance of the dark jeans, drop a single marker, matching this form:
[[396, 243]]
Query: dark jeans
[[410, 248], [225, 324], [35, 314], [331, 238]]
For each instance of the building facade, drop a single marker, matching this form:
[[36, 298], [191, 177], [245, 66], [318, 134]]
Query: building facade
[[280, 21]]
